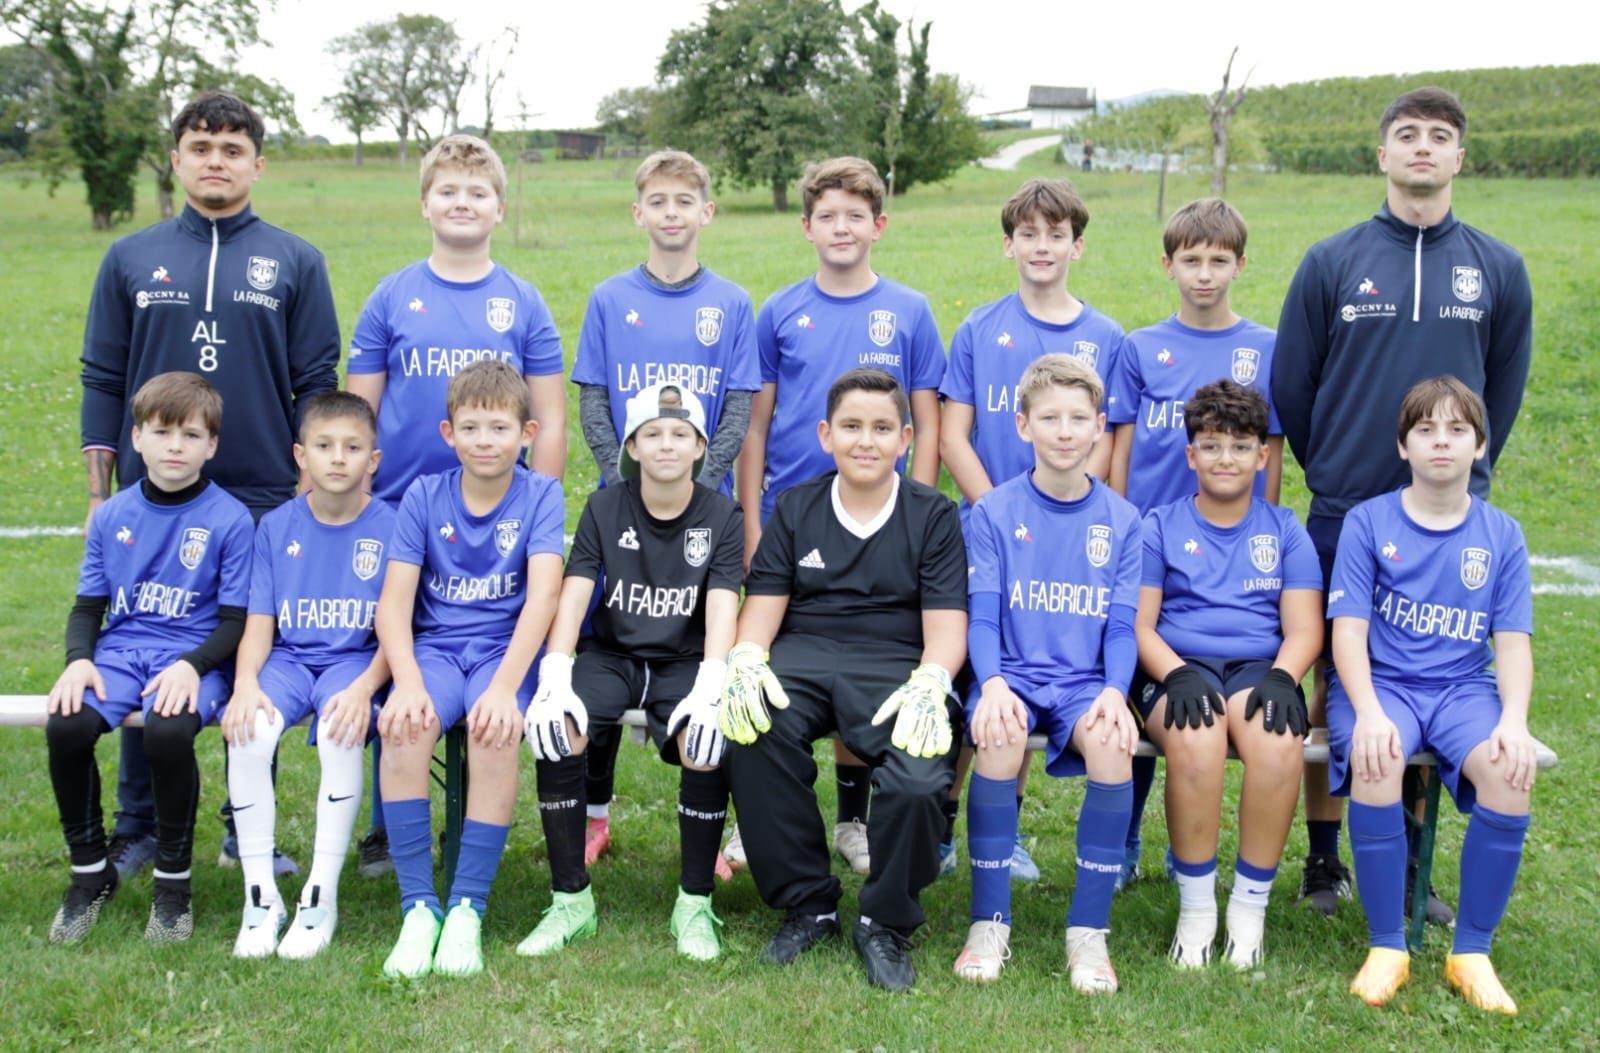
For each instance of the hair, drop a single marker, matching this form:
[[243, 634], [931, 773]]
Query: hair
[[337, 404], [1054, 200], [673, 164], [1058, 371], [871, 380], [173, 398], [1227, 409], [469, 153], [492, 384], [218, 111], [853, 175], [1428, 395], [1208, 221], [1429, 103]]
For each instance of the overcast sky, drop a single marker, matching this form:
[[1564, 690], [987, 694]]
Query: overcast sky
[[572, 54]]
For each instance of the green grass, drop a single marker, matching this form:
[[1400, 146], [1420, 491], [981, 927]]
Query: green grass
[[625, 989]]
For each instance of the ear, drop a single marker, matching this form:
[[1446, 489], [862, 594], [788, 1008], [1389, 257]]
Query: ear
[[1383, 160], [1166, 264], [1077, 249], [211, 447], [1022, 428], [707, 211], [906, 431], [1238, 268], [530, 431], [1482, 452], [638, 215], [1262, 455], [1010, 249], [825, 436], [447, 433], [300, 456], [372, 463], [878, 224]]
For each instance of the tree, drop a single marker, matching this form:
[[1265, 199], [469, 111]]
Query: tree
[[410, 60], [1221, 107], [497, 56], [27, 97], [357, 105], [627, 112]]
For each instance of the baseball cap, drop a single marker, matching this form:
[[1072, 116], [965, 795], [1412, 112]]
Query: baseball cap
[[653, 403]]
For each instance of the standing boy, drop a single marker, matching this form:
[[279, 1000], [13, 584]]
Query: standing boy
[[474, 570], [160, 607]]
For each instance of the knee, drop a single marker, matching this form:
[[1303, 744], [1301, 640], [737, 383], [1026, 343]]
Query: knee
[[1494, 792], [404, 757], [170, 739], [264, 744], [76, 733], [1000, 762], [914, 779], [1277, 758], [1196, 754], [492, 760], [1106, 763]]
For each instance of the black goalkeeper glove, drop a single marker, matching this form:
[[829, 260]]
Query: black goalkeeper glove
[[1191, 700], [1282, 708]]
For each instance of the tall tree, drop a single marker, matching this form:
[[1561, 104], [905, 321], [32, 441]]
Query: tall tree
[[937, 134], [409, 58], [1221, 107], [627, 112], [357, 104], [27, 96], [497, 56]]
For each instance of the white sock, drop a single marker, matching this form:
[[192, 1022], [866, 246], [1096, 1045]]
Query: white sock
[[338, 801], [598, 811], [1197, 893], [255, 805], [1249, 894]]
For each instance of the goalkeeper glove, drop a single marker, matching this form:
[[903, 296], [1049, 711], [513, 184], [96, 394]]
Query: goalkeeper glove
[[1282, 708], [750, 688], [545, 725], [1191, 699], [922, 728], [702, 739]]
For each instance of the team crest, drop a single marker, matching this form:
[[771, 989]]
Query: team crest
[[1087, 352], [1264, 552], [697, 546], [1246, 365], [367, 558], [193, 547], [1474, 567], [262, 272], [502, 311], [708, 325], [505, 535], [880, 327], [1098, 545], [1466, 283]]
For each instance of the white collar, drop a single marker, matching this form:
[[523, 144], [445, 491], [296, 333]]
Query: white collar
[[871, 526]]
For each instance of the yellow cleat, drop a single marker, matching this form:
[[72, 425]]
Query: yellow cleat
[[1383, 973], [1473, 975]]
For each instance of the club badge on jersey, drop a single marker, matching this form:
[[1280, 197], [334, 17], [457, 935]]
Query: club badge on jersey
[[262, 272], [1098, 544], [697, 546], [1474, 567], [501, 313], [366, 558], [880, 327], [505, 535], [1264, 552], [192, 549], [708, 325], [1246, 365]]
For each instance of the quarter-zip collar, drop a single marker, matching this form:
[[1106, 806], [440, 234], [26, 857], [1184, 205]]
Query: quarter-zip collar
[[1416, 239], [216, 231]]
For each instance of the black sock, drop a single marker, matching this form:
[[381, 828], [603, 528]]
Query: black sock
[[76, 779], [561, 815], [949, 809], [702, 812], [175, 781], [600, 778], [855, 791]]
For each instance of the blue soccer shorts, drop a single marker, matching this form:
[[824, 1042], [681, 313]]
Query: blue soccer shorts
[[127, 672], [298, 689], [457, 672], [1053, 711]]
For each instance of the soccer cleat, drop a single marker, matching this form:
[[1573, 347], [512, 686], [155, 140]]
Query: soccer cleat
[[1324, 883], [850, 841], [312, 929], [80, 907], [412, 957], [1439, 912], [460, 948], [372, 855], [569, 918], [733, 851], [1023, 868], [258, 932], [1191, 941], [986, 953], [695, 927], [171, 912], [1130, 865], [132, 855], [1473, 975], [949, 860], [596, 839], [1088, 963], [886, 953], [228, 858], [796, 935], [1245, 946], [1381, 975]]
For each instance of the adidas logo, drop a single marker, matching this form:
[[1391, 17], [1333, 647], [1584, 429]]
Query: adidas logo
[[813, 561], [629, 539]]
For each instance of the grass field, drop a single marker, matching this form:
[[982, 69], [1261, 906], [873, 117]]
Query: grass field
[[625, 989]]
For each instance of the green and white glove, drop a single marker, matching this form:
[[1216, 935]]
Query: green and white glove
[[750, 688], [923, 727]]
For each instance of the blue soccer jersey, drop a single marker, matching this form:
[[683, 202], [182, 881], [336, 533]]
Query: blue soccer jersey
[[1058, 568], [320, 583], [165, 569], [420, 330], [1432, 598], [808, 339], [1161, 366], [474, 568], [1221, 586], [988, 355]]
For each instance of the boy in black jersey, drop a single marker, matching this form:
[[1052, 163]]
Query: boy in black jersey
[[859, 590], [670, 554]]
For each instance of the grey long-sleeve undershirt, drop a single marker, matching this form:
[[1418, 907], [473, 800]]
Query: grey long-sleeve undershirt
[[594, 415]]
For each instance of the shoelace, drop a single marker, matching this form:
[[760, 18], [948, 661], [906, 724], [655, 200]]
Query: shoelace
[[997, 948], [893, 945]]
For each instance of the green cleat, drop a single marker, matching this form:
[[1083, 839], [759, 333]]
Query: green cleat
[[460, 950], [570, 917], [695, 926], [412, 957]]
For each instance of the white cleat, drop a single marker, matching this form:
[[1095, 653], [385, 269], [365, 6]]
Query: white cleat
[[850, 841], [1088, 962], [258, 932], [986, 953], [1246, 937], [310, 932], [1191, 942], [733, 851]]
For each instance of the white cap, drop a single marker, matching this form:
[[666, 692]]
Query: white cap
[[653, 403]]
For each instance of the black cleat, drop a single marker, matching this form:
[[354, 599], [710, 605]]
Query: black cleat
[[887, 955], [80, 907], [372, 855], [797, 933], [1439, 912], [1323, 884], [171, 915]]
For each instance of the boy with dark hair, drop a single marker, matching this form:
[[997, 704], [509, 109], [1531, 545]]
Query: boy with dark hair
[[160, 607], [858, 591], [1425, 578], [1224, 558]]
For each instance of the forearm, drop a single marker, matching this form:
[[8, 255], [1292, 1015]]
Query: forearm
[[725, 445], [955, 449], [599, 431], [1513, 674], [925, 428], [722, 619], [393, 624], [576, 592], [1156, 657], [221, 644], [547, 395], [1354, 665], [760, 618], [1121, 452], [1303, 628], [83, 627], [533, 624], [255, 646], [1274, 484], [376, 674], [101, 465], [944, 639]]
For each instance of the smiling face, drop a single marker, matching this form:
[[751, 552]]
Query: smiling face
[[842, 227], [217, 170], [462, 207], [1043, 250], [1226, 465], [1062, 425], [337, 453], [1421, 154], [487, 439], [173, 454], [866, 436], [1442, 446], [666, 449]]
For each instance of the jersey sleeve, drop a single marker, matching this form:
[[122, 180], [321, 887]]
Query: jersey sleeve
[[549, 517], [313, 331], [1350, 589], [983, 557], [589, 367], [1513, 586], [588, 557], [1298, 355], [262, 599], [772, 569], [1301, 567], [767, 344], [927, 352], [744, 362], [1130, 560], [369, 344], [541, 343], [1123, 386], [233, 579], [409, 542], [105, 358], [957, 385], [92, 574], [727, 559], [942, 572], [1154, 559]]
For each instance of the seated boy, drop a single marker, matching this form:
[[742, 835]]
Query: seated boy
[[309, 647], [671, 556], [1424, 578], [474, 570], [160, 608], [1054, 576], [1230, 619], [858, 589]]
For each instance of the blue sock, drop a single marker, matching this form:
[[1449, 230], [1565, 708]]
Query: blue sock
[[1102, 828], [482, 845], [1490, 856], [1378, 842], [411, 848], [1324, 836], [1144, 777], [991, 831]]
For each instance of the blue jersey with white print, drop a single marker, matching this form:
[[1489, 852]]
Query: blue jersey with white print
[[1161, 366], [165, 569], [700, 337], [1432, 598], [1221, 586], [320, 583], [988, 355], [474, 568], [421, 330], [808, 339], [1058, 567]]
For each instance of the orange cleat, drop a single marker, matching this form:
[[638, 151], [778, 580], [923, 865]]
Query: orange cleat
[[1384, 972], [1473, 975], [596, 839]]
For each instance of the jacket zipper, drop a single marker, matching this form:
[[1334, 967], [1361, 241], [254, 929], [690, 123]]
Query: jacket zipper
[[1416, 287], [211, 275]]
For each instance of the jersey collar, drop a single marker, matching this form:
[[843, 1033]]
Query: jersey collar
[[1406, 233], [200, 226], [871, 526]]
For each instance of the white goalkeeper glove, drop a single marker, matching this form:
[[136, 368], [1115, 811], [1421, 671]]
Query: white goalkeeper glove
[[922, 728], [750, 688], [545, 725], [702, 740]]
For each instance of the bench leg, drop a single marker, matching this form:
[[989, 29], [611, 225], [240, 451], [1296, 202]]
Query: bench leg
[[1425, 841], [455, 798]]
